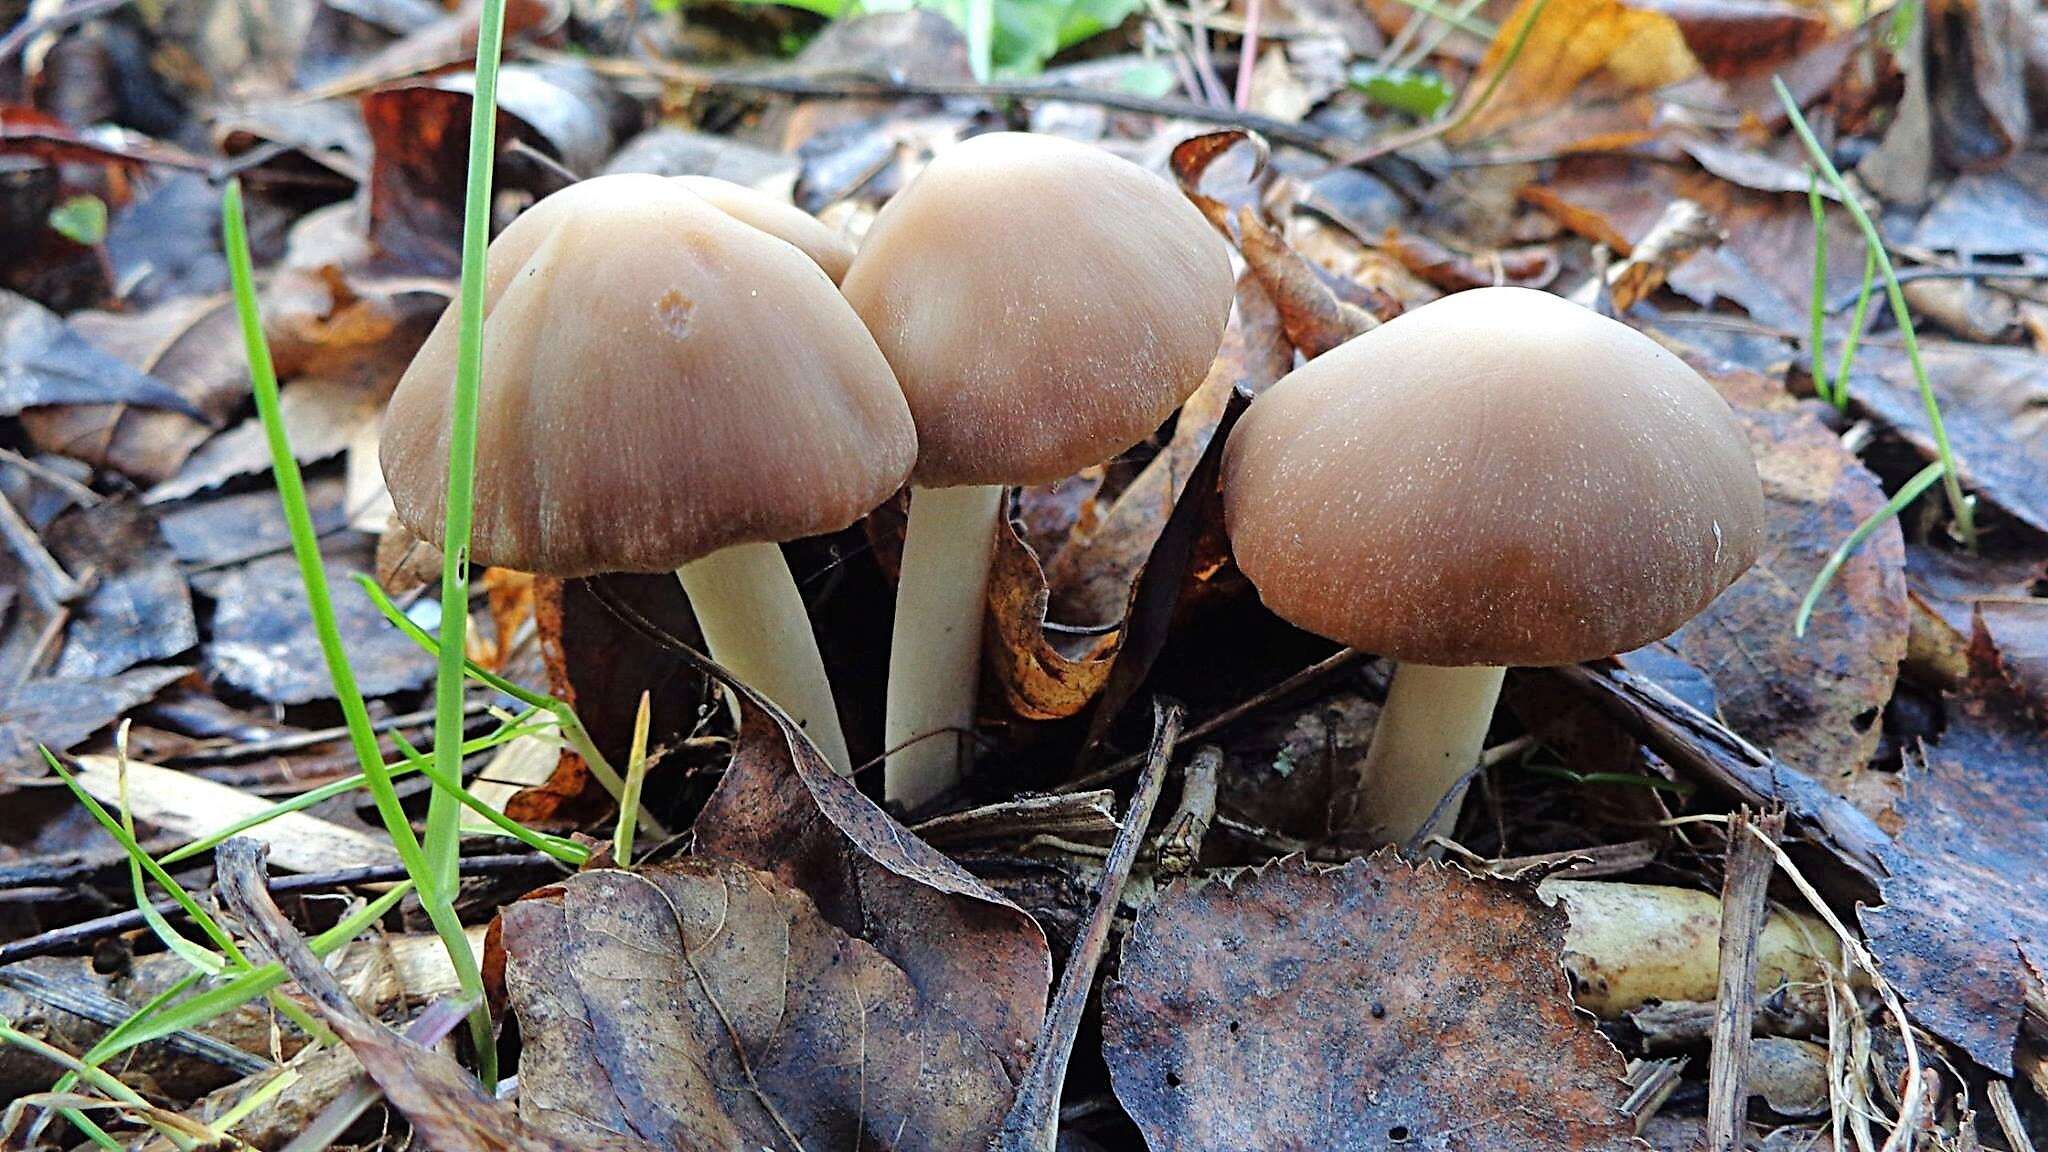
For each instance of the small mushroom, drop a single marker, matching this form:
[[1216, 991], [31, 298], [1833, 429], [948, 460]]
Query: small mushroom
[[1045, 306], [1498, 478], [664, 388]]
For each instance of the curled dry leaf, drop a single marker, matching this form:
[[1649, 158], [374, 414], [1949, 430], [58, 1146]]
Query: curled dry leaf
[[1529, 266], [1963, 934], [1375, 1005], [1813, 701], [708, 1005], [1045, 673], [972, 955]]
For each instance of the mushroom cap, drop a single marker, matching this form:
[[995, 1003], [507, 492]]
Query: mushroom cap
[[1501, 477], [1045, 306], [660, 382], [785, 221]]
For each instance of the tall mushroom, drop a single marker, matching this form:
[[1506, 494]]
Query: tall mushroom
[[1498, 478], [1045, 306], [665, 388]]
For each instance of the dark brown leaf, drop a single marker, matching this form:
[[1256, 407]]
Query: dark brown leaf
[[1964, 931], [1375, 1005], [1046, 672], [43, 362], [138, 608], [62, 712], [704, 1004], [970, 953], [1994, 402]]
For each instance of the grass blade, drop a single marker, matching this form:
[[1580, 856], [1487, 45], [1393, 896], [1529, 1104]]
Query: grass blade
[[1920, 483]]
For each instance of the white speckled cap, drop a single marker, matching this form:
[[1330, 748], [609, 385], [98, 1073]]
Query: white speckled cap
[[660, 381], [1045, 306], [1501, 477]]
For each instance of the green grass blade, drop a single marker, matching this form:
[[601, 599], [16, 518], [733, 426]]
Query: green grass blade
[[1856, 322], [1920, 483], [1818, 308], [1959, 504], [566, 851], [636, 774], [435, 898]]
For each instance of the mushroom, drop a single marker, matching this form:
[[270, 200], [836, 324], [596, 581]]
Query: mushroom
[[1498, 478], [664, 388], [1045, 306], [779, 218]]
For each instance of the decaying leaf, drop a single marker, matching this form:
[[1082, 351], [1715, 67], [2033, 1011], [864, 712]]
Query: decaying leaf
[[43, 362], [1963, 933], [322, 416], [1812, 701], [1377, 1005], [61, 712], [1994, 402], [706, 1005], [138, 608], [969, 952], [264, 642]]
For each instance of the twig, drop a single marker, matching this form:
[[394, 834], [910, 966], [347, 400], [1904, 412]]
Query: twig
[[293, 741], [1033, 1122], [1248, 53], [74, 935], [1651, 1083], [1301, 135], [79, 493], [109, 1012], [1180, 846], [1743, 890], [2008, 1116], [1308, 675]]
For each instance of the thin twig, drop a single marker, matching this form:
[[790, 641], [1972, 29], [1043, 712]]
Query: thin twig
[[1743, 890], [1033, 1122], [1309, 137], [1306, 676], [294, 741], [109, 1012], [52, 584], [79, 493], [1180, 846], [86, 931]]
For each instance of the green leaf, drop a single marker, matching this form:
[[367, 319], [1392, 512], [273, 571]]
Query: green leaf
[[1419, 94], [81, 220]]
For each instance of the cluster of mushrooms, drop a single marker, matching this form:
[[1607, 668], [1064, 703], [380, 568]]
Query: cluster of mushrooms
[[680, 374]]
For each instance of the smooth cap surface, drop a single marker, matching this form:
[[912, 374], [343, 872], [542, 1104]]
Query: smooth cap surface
[[1498, 478], [778, 218], [1044, 303], [660, 381]]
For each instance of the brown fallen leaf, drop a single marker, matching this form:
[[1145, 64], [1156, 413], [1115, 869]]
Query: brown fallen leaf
[[1963, 934], [1979, 80], [971, 954], [1045, 672], [1742, 37], [1812, 701], [1376, 1005], [704, 1004], [1530, 266], [322, 416]]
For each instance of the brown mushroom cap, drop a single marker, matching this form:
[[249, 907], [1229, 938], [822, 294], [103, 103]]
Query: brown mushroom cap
[[1044, 304], [1498, 478], [778, 218], [660, 382]]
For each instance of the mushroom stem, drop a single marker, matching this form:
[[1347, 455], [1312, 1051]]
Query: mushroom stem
[[1430, 734], [754, 622], [935, 651]]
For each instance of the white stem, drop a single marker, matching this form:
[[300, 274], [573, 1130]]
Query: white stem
[[754, 622], [935, 652], [1429, 735]]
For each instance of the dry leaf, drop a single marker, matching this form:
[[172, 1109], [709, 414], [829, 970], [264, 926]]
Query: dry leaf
[[1963, 933], [1045, 673], [708, 1005], [1634, 50], [1377, 1005], [322, 416]]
